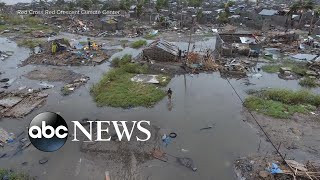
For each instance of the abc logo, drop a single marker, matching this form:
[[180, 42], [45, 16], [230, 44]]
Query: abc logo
[[48, 132]]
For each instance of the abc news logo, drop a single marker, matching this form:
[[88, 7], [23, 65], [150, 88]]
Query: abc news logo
[[48, 131]]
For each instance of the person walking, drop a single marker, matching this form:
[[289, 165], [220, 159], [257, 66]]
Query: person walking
[[169, 93], [54, 48]]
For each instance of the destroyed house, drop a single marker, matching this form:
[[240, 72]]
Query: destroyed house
[[111, 24], [241, 44], [161, 50]]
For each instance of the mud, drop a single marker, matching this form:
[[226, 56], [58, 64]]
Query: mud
[[53, 74], [298, 135], [126, 155]]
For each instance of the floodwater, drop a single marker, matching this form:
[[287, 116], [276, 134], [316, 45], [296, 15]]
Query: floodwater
[[198, 101]]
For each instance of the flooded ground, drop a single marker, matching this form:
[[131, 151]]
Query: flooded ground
[[198, 101]]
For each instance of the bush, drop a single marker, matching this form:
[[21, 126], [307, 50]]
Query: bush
[[138, 44], [308, 82], [117, 62], [134, 68], [29, 43], [13, 175]]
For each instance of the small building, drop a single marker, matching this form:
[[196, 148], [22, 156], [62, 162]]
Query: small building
[[161, 51]]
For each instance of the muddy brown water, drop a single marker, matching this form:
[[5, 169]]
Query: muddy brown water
[[198, 101]]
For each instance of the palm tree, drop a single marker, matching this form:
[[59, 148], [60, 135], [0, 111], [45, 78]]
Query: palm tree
[[305, 7], [316, 13], [257, 2], [293, 9]]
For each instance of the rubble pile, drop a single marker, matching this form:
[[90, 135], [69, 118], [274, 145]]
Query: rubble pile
[[21, 103], [72, 86], [273, 167], [66, 55]]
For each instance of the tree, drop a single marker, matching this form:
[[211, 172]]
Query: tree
[[316, 13], [294, 8], [199, 14], [125, 5], [111, 5], [257, 2], [95, 2], [305, 7], [227, 6], [71, 6], [2, 4], [223, 17], [195, 3], [60, 2], [139, 9], [161, 4], [86, 4]]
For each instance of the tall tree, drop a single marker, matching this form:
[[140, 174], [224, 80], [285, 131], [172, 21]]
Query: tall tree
[[86, 4], [195, 3], [306, 7], [315, 13], [125, 5], [161, 4]]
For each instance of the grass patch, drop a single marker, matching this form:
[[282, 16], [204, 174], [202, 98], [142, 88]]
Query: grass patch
[[117, 62], [124, 41], [269, 58], [282, 103], [308, 82], [116, 89], [164, 80], [3, 27], [150, 36], [271, 68], [298, 68], [138, 44], [26, 24], [29, 43], [13, 175]]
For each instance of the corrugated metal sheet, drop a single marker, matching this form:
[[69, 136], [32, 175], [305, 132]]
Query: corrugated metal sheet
[[166, 46], [268, 12]]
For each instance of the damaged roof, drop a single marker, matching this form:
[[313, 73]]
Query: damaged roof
[[268, 12], [166, 46], [248, 40], [306, 57]]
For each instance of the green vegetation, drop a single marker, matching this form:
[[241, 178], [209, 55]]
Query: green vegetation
[[297, 68], [29, 43], [269, 58], [118, 62], [138, 44], [116, 89], [223, 17], [164, 80], [308, 82], [150, 36], [195, 3], [13, 176], [29, 23], [161, 4], [282, 103], [85, 4]]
